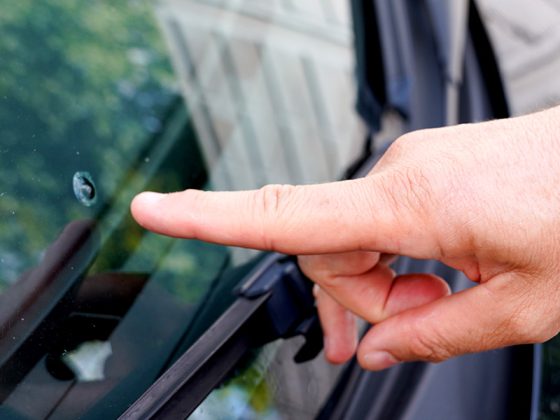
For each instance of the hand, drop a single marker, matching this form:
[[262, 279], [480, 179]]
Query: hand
[[482, 198]]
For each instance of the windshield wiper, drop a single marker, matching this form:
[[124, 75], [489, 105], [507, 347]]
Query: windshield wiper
[[275, 302]]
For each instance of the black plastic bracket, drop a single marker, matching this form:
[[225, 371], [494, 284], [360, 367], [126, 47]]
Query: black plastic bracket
[[290, 309]]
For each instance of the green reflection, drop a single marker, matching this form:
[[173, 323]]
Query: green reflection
[[86, 87], [83, 87], [248, 394]]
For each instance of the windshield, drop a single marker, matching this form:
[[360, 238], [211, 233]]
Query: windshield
[[101, 100]]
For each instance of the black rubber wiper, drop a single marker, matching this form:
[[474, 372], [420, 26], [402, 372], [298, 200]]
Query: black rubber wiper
[[275, 302]]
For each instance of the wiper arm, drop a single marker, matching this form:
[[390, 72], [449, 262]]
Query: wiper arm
[[275, 302]]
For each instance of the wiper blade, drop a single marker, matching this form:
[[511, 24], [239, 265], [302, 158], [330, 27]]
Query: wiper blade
[[275, 302]]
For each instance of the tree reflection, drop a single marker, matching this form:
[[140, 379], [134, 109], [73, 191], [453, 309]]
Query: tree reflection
[[83, 85]]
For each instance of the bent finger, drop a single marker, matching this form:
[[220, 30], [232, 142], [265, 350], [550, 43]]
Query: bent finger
[[484, 317], [339, 328], [376, 294]]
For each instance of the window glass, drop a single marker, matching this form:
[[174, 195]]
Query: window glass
[[269, 385], [526, 36], [102, 99]]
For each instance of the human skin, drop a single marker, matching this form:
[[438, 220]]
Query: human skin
[[482, 198]]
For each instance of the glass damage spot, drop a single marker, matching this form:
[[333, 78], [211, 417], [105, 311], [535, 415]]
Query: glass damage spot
[[84, 188], [88, 360]]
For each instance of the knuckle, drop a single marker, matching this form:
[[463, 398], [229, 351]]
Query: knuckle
[[409, 184], [271, 197], [403, 145], [329, 281], [269, 202]]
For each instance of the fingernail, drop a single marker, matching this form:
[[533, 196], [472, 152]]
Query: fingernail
[[379, 360], [326, 344], [316, 290], [149, 198]]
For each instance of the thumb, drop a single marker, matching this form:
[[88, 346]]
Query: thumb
[[337, 217], [488, 316]]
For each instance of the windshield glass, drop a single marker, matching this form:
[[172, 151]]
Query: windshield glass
[[100, 100]]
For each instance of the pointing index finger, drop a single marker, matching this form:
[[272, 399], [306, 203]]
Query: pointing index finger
[[311, 219]]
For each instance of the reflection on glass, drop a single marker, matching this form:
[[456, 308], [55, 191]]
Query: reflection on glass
[[247, 395], [268, 384], [102, 99], [80, 84], [88, 360]]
